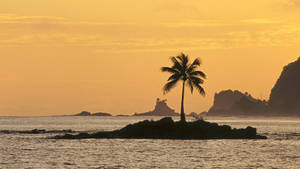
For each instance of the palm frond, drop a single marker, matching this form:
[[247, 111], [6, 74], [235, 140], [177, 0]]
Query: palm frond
[[197, 79], [190, 83], [192, 67], [197, 84], [198, 73], [176, 65], [197, 62], [200, 89], [174, 76], [169, 69], [184, 59], [169, 85]]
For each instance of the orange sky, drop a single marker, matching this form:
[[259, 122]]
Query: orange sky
[[61, 57]]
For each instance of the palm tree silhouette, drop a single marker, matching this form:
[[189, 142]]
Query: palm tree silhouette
[[184, 71]]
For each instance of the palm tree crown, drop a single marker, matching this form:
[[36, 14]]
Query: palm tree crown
[[183, 70]]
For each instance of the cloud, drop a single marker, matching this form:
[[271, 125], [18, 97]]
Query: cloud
[[294, 2], [44, 22], [133, 37], [11, 18], [260, 21], [177, 8], [290, 4], [196, 24]]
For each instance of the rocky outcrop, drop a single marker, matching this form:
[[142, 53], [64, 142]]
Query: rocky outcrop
[[86, 113], [236, 103], [101, 114], [35, 131], [166, 128], [83, 113], [161, 109], [122, 115], [285, 95]]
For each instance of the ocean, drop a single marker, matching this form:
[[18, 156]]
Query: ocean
[[21, 150]]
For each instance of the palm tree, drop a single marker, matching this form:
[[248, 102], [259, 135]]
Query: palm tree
[[186, 72]]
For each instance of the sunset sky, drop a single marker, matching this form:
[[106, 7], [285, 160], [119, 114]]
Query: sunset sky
[[64, 56]]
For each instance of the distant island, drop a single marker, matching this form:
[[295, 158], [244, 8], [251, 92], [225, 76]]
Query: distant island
[[161, 109], [86, 113], [284, 98]]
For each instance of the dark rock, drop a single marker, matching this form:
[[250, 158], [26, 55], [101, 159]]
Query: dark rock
[[101, 114], [161, 109], [83, 113], [236, 103], [195, 116], [166, 128], [35, 131], [285, 95], [86, 113], [122, 115]]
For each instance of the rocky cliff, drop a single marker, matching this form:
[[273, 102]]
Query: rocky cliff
[[285, 95], [236, 103], [284, 98]]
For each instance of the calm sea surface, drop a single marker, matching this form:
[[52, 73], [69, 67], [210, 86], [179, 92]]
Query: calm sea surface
[[281, 150]]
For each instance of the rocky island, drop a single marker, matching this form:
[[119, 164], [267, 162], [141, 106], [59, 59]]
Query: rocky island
[[86, 113], [161, 109], [166, 128]]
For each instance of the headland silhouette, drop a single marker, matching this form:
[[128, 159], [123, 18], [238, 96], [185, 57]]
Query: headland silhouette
[[284, 98]]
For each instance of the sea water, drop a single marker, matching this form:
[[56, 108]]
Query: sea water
[[280, 150]]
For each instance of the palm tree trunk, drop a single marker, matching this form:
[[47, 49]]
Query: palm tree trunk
[[182, 115]]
